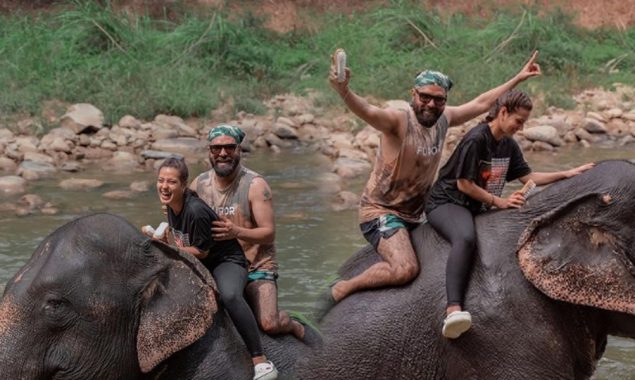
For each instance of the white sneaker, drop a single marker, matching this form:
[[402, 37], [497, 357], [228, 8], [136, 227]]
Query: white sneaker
[[265, 371], [456, 324]]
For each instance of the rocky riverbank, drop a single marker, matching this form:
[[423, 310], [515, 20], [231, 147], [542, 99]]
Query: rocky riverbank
[[81, 139]]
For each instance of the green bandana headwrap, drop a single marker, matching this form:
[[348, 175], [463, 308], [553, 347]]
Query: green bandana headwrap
[[433, 77], [226, 130]]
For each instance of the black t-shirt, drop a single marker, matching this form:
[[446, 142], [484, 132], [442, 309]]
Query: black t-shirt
[[483, 160], [192, 227]]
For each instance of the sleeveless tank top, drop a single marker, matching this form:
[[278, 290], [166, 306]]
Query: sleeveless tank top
[[233, 203], [400, 187]]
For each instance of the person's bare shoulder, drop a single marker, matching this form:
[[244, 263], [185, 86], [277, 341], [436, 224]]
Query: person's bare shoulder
[[259, 190]]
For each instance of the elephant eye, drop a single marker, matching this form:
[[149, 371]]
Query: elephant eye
[[57, 312], [53, 304]]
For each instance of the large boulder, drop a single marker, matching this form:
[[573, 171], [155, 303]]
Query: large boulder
[[82, 117], [31, 170], [544, 133]]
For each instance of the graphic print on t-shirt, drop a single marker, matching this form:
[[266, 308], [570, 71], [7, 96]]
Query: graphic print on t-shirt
[[495, 175], [180, 239]]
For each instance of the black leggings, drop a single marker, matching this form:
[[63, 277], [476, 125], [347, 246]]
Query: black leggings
[[231, 279], [456, 224]]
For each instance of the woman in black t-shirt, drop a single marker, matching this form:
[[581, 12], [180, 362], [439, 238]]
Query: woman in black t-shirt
[[471, 182], [190, 221]]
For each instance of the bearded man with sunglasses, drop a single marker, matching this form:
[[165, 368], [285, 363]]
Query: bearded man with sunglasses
[[243, 200], [393, 200]]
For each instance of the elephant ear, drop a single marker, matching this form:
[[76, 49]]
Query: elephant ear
[[577, 254], [177, 305]]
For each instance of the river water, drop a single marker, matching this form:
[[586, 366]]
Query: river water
[[312, 240]]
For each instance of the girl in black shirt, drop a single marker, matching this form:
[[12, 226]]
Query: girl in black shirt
[[190, 221], [471, 182]]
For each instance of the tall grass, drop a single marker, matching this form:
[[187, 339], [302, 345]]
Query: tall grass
[[139, 65]]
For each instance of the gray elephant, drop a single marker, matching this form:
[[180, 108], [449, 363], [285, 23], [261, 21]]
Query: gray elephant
[[550, 281], [98, 300]]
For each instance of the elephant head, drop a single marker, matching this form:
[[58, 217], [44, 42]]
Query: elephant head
[[583, 251], [97, 291]]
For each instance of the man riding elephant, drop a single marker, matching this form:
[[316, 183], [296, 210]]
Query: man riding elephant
[[407, 160]]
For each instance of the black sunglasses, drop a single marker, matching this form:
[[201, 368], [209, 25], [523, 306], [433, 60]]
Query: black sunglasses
[[425, 98], [215, 149]]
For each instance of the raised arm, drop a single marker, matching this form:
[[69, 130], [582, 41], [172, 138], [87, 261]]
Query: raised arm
[[460, 114], [547, 178], [384, 120], [261, 201]]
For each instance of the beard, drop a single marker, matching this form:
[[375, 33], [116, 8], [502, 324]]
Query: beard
[[427, 119], [225, 168]]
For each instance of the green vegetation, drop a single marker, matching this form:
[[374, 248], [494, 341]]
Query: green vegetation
[[143, 66]]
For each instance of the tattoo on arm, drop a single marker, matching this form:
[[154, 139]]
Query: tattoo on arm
[[267, 194]]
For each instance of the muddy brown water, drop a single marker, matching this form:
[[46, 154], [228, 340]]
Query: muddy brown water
[[312, 240]]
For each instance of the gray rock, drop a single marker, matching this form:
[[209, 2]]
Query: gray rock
[[6, 135], [80, 184], [176, 124], [626, 140], [544, 133], [38, 157], [118, 194], [82, 118], [350, 167], [140, 186], [59, 145], [161, 133], [122, 161], [284, 131], [539, 146], [129, 122], [158, 155], [582, 134], [65, 133], [273, 139], [11, 185], [186, 146], [593, 126], [71, 166], [108, 145], [570, 137], [30, 201], [613, 113], [585, 143], [596, 116], [306, 118], [286, 121], [31, 171], [30, 126], [7, 165]]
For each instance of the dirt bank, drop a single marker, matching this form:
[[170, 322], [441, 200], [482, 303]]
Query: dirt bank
[[287, 15]]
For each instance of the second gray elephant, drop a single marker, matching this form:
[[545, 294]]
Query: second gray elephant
[[549, 283]]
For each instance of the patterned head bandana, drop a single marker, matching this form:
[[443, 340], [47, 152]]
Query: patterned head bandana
[[226, 130], [433, 77]]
